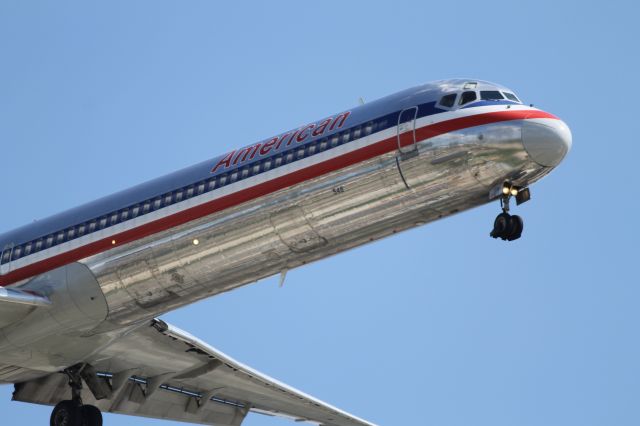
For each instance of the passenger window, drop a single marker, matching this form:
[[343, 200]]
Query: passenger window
[[312, 148], [334, 140], [468, 97], [212, 184], [511, 96], [448, 101], [490, 95]]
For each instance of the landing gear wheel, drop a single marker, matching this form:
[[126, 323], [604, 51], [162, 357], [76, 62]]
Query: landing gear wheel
[[501, 225], [66, 413], [91, 416], [516, 225], [507, 227]]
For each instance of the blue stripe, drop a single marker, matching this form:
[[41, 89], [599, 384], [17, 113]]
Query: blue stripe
[[490, 103]]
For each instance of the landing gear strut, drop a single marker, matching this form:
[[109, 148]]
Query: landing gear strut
[[73, 412], [507, 227]]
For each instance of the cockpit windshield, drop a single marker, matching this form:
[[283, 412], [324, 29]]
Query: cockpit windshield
[[469, 96], [511, 97], [448, 100], [490, 95]]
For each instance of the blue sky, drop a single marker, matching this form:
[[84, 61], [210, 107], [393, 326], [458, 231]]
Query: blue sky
[[439, 325]]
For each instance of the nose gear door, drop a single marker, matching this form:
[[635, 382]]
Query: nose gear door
[[407, 133]]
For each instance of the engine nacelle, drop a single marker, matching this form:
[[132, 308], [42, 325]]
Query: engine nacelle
[[48, 335]]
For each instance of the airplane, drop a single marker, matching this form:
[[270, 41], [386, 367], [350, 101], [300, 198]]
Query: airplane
[[81, 291]]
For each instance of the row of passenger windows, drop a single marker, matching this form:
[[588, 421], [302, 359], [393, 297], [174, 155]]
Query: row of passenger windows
[[218, 181], [449, 101]]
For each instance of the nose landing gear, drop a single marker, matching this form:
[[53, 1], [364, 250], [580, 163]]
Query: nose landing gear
[[506, 226]]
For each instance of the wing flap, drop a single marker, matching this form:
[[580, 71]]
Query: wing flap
[[163, 372], [131, 400]]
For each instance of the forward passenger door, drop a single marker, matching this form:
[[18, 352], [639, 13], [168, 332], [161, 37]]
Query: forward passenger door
[[407, 132]]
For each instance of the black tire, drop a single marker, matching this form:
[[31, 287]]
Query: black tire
[[66, 413], [91, 416], [516, 226], [501, 226]]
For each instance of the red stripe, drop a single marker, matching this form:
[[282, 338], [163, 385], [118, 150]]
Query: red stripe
[[261, 189], [478, 120]]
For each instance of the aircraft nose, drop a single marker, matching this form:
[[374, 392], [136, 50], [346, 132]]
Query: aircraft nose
[[546, 140]]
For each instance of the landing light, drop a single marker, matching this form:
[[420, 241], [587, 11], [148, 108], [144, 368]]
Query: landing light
[[505, 190], [514, 191], [113, 242], [196, 241]]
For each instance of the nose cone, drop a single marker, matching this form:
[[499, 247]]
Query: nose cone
[[546, 140]]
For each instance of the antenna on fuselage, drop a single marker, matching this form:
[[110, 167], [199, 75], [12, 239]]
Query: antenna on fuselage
[[283, 276], [361, 100]]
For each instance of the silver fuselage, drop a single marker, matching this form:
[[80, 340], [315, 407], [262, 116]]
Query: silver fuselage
[[426, 178], [310, 221]]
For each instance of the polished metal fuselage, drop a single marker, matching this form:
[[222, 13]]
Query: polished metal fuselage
[[310, 221], [98, 299], [297, 225]]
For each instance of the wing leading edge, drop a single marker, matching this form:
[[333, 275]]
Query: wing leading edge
[[163, 372]]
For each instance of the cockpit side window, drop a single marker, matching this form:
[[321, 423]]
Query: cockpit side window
[[448, 100], [511, 96], [490, 95], [468, 97]]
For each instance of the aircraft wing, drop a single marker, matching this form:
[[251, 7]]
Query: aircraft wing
[[16, 304], [162, 372]]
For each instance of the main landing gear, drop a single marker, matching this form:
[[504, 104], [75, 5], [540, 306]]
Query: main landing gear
[[509, 227], [73, 412]]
